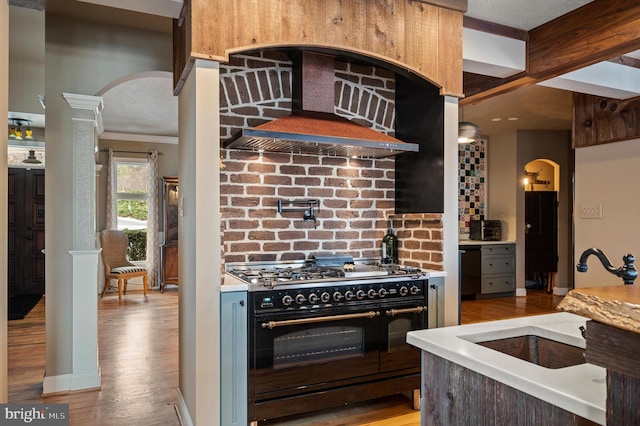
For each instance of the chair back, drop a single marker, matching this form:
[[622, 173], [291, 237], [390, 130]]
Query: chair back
[[114, 249]]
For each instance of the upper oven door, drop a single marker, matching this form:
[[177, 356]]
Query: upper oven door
[[298, 349], [395, 321]]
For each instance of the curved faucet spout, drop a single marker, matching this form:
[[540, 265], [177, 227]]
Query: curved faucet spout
[[628, 272]]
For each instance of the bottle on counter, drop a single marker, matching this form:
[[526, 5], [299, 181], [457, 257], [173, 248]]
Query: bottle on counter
[[390, 247]]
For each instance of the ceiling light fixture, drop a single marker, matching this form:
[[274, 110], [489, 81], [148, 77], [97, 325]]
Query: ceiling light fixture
[[467, 132], [31, 159], [20, 129]]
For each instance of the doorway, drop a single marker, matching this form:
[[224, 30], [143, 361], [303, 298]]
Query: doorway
[[541, 222], [25, 237]]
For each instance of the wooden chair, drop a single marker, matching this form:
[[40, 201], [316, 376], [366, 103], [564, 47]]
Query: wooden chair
[[116, 265]]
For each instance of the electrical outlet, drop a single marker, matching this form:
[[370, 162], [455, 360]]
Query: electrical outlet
[[591, 211]]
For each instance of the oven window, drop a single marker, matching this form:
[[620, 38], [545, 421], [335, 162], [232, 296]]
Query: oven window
[[316, 345], [397, 335]]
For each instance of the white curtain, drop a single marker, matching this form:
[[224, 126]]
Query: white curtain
[[112, 208], [152, 222]]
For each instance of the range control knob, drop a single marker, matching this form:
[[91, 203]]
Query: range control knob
[[404, 291], [313, 298], [325, 297], [414, 290], [382, 292], [287, 300], [300, 299], [349, 295], [337, 296], [371, 293], [360, 294]]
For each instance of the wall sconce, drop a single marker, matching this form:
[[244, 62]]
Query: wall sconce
[[531, 178]]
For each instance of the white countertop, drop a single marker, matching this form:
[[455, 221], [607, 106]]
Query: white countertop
[[580, 389], [482, 243], [432, 273], [233, 283]]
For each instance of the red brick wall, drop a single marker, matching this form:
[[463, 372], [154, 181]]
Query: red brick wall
[[356, 196]]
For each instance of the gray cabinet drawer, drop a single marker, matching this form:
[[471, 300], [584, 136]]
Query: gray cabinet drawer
[[498, 284], [498, 249], [497, 264]]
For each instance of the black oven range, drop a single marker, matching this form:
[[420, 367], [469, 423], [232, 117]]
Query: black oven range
[[330, 332]]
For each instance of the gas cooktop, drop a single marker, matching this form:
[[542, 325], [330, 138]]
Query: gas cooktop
[[317, 271]]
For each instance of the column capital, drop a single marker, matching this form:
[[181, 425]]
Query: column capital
[[87, 103]]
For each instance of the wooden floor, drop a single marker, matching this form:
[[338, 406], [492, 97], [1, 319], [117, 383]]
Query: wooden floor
[[138, 341], [138, 349]]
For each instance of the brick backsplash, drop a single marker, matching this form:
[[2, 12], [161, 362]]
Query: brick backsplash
[[356, 196], [356, 201]]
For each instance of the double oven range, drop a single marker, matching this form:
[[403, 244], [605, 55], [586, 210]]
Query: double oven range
[[330, 332]]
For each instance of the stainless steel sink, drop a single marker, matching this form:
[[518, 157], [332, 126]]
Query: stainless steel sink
[[534, 345], [538, 350]]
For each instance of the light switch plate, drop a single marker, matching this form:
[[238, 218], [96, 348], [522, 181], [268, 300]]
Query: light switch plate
[[591, 211]]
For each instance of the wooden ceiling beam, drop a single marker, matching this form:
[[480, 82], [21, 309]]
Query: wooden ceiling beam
[[599, 31]]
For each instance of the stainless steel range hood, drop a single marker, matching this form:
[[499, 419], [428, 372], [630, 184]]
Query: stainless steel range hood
[[312, 127]]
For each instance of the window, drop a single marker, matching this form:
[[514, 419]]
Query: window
[[132, 200]]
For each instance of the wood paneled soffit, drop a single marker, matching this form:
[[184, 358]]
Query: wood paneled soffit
[[598, 120], [419, 37], [599, 31]]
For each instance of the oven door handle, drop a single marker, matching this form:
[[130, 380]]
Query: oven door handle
[[274, 324], [417, 309]]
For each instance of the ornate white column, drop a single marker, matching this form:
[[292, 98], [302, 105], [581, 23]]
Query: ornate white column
[[86, 118], [85, 372]]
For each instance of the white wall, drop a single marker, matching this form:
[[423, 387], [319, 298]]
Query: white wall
[[450, 218], [607, 175], [4, 109], [502, 182], [200, 260], [26, 60]]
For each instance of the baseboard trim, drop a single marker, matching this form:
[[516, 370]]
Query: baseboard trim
[[521, 292], [560, 291], [182, 411], [65, 383]]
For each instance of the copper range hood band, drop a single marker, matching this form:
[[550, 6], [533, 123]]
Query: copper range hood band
[[313, 128], [266, 140]]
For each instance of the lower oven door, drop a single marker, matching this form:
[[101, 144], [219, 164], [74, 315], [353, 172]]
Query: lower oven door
[[291, 352], [395, 321]]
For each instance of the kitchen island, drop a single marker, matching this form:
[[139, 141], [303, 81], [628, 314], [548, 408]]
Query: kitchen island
[[463, 380], [613, 342]]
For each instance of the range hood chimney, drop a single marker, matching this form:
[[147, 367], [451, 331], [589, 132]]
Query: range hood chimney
[[312, 127]]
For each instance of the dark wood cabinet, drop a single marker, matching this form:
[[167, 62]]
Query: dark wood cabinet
[[169, 248]]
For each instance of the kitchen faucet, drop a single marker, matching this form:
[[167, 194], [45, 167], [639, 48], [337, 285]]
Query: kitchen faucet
[[628, 272]]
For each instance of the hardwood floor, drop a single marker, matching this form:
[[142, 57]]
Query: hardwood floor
[[138, 341]]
